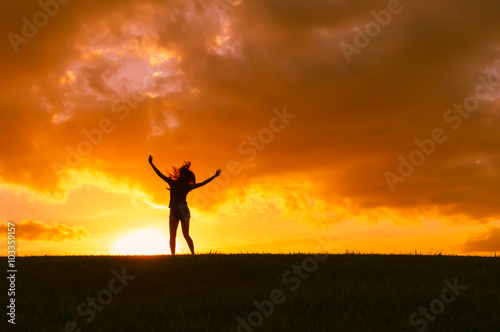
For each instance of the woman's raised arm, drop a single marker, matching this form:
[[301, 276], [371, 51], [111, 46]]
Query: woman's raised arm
[[165, 178], [197, 185]]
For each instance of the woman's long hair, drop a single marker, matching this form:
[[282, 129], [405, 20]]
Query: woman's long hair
[[183, 175]]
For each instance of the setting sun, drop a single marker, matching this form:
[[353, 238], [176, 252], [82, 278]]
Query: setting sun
[[142, 242]]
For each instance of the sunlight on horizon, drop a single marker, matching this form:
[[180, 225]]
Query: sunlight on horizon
[[150, 241]]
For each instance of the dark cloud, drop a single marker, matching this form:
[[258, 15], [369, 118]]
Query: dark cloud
[[488, 241], [31, 230], [227, 70]]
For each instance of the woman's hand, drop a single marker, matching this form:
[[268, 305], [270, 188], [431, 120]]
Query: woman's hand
[[150, 159], [217, 173]]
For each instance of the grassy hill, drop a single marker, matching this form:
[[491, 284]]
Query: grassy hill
[[258, 292]]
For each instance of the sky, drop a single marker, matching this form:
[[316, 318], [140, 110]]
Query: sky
[[339, 126]]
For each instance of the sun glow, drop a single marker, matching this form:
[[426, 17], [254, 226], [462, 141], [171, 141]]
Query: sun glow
[[151, 241]]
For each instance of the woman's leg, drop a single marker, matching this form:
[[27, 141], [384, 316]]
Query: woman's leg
[[185, 232], [173, 223]]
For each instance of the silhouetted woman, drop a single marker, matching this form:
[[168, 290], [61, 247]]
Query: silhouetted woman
[[181, 183]]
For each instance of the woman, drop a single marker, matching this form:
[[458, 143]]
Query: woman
[[181, 182]]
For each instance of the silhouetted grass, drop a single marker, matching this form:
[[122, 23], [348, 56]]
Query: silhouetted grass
[[349, 292]]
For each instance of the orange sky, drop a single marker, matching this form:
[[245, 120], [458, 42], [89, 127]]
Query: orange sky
[[329, 139]]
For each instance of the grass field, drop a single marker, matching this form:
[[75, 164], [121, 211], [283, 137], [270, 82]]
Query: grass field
[[258, 292]]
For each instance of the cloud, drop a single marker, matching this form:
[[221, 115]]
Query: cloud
[[31, 230], [185, 80], [488, 241]]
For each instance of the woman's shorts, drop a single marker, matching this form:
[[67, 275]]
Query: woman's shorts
[[180, 212]]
